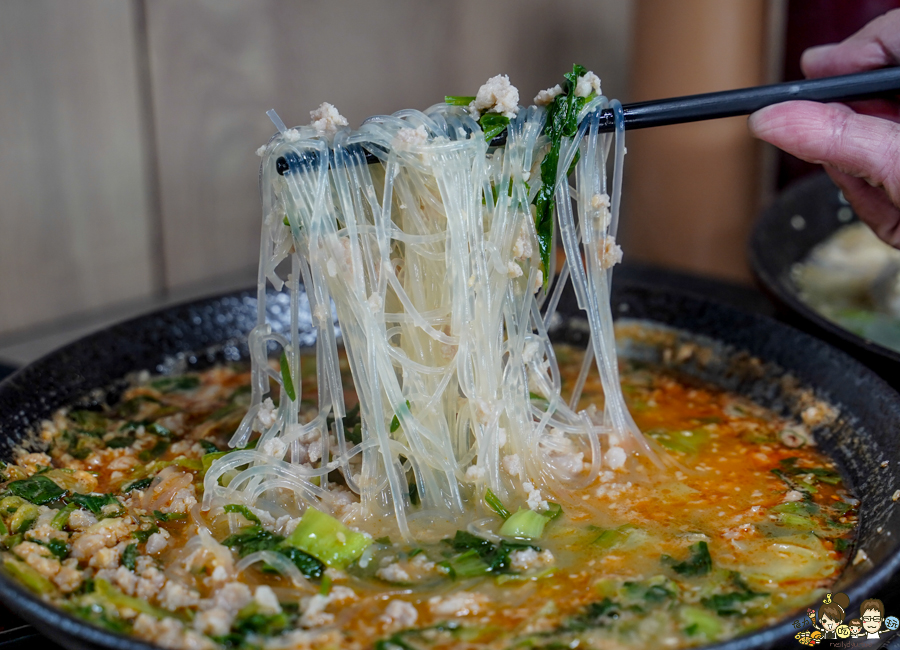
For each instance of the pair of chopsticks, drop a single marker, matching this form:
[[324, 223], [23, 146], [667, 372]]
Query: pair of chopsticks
[[728, 103]]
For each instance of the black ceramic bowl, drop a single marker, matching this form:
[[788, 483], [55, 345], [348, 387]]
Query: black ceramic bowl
[[767, 361], [804, 215]]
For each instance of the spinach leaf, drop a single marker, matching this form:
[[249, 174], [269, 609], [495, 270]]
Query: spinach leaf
[[58, 547], [168, 516], [286, 378], [96, 502], [208, 447], [477, 556], [155, 451], [39, 490], [495, 504], [698, 563], [140, 484], [175, 384], [262, 624], [130, 556], [144, 534], [256, 538], [242, 510], [492, 125], [729, 604], [594, 615], [120, 442], [89, 421], [395, 421], [562, 121], [459, 100]]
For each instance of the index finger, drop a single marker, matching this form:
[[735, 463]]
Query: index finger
[[874, 46]]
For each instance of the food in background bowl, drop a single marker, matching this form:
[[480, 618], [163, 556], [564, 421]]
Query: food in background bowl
[[853, 279]]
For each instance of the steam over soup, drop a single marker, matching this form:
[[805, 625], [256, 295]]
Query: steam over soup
[[107, 525]]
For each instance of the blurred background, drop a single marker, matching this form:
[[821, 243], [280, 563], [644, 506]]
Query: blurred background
[[128, 178]]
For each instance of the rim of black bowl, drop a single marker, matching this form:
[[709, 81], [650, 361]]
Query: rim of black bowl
[[64, 628], [775, 276]]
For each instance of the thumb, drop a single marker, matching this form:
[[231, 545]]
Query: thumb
[[858, 145]]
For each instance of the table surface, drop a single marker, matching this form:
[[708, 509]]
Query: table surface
[[15, 634]]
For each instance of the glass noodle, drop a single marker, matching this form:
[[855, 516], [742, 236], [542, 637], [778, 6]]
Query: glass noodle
[[429, 257]]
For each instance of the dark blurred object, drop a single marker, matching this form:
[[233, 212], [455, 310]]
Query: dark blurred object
[[5, 371], [802, 217], [819, 22]]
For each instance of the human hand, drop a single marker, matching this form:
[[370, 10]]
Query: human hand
[[859, 147]]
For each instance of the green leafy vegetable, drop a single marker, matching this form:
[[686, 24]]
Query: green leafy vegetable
[[61, 518], [242, 510], [599, 614], [459, 100], [477, 556], [89, 421], [607, 539], [495, 504], [39, 490], [168, 516], [143, 534], [173, 384], [524, 524], [130, 556], [109, 594], [155, 451], [492, 125], [208, 447], [120, 442], [698, 563], [99, 616], [789, 467], [728, 604], [96, 502], [58, 547], [327, 539], [562, 121], [140, 484], [28, 576], [256, 538], [395, 421], [287, 379]]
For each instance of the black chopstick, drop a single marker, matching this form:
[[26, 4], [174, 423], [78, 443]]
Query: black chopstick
[[711, 106], [728, 103]]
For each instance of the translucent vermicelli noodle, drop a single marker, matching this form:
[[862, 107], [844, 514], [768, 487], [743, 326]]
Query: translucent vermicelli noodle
[[423, 237]]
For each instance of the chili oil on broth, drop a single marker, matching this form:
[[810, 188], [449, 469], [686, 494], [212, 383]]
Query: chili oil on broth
[[751, 525]]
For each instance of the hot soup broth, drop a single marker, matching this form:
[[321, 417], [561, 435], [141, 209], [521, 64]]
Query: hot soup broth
[[754, 524]]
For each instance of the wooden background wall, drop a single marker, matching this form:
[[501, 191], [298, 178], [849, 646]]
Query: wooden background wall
[[128, 127]]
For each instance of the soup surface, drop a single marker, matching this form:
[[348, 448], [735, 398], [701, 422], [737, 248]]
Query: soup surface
[[752, 524]]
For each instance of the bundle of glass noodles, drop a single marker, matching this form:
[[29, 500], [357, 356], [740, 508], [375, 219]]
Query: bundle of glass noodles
[[436, 250]]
